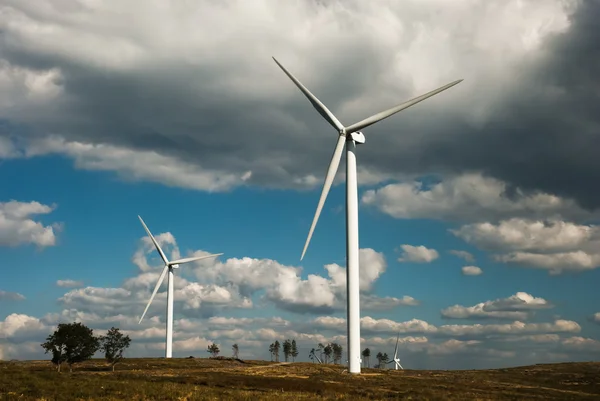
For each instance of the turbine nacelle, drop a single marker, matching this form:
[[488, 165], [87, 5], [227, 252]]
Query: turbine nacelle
[[357, 137], [174, 266]]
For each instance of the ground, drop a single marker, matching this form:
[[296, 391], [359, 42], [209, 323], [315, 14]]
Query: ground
[[227, 379]]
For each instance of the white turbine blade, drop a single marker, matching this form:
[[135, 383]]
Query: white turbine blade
[[324, 111], [385, 114], [396, 349], [186, 260], [160, 280], [333, 166], [400, 365], [160, 251]]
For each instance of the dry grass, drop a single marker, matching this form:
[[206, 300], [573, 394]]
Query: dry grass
[[206, 379]]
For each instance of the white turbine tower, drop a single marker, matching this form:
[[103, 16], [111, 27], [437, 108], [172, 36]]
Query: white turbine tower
[[169, 266], [350, 136], [396, 360]]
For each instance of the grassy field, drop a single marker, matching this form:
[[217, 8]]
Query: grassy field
[[206, 379]]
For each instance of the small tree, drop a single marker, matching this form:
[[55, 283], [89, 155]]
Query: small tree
[[287, 349], [337, 353], [384, 360], [113, 344], [320, 348], [236, 351], [379, 357], [311, 354], [213, 349], [294, 350], [328, 350], [71, 343], [367, 354], [272, 350], [276, 348]]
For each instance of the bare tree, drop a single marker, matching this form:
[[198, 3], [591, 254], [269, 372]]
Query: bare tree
[[236, 351]]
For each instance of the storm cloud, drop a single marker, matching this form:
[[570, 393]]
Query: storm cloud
[[192, 87]]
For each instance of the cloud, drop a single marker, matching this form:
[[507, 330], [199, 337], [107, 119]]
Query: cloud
[[69, 283], [209, 287], [471, 271], [136, 165], [595, 318], [222, 108], [553, 245], [528, 235], [17, 227], [514, 307], [11, 296], [468, 257], [417, 254], [285, 287], [468, 197]]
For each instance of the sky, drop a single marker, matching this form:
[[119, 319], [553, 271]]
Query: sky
[[479, 207]]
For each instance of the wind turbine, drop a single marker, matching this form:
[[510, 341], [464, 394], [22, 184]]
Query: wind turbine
[[169, 267], [396, 360], [351, 136]]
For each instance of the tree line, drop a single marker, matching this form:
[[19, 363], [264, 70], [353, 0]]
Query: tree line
[[289, 350], [73, 343], [326, 353], [214, 350], [382, 358]]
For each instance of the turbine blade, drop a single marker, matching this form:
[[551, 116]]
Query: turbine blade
[[323, 111], [160, 280], [186, 260], [396, 349], [160, 251], [333, 166], [385, 114]]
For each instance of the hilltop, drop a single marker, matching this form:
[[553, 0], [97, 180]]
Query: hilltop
[[223, 379]]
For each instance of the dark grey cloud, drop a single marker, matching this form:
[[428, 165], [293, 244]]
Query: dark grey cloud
[[198, 85]]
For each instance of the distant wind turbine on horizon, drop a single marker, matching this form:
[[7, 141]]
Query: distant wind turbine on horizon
[[169, 267], [350, 136]]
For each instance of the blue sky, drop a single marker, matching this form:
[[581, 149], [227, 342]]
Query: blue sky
[[220, 158]]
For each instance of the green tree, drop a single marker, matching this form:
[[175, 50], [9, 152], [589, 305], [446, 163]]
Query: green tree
[[379, 357], [213, 349], [384, 360], [320, 348], [236, 351], [337, 353], [287, 349], [272, 350], [311, 354], [367, 354], [276, 348], [113, 344], [328, 351], [71, 343], [294, 350]]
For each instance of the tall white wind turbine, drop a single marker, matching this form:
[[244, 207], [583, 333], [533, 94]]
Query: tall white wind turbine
[[169, 267], [351, 136], [396, 360]]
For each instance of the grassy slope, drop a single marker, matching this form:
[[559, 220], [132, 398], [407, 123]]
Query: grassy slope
[[205, 379]]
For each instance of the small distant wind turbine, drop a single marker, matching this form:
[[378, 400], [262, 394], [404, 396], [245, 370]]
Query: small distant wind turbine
[[396, 360], [169, 266], [350, 136]]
